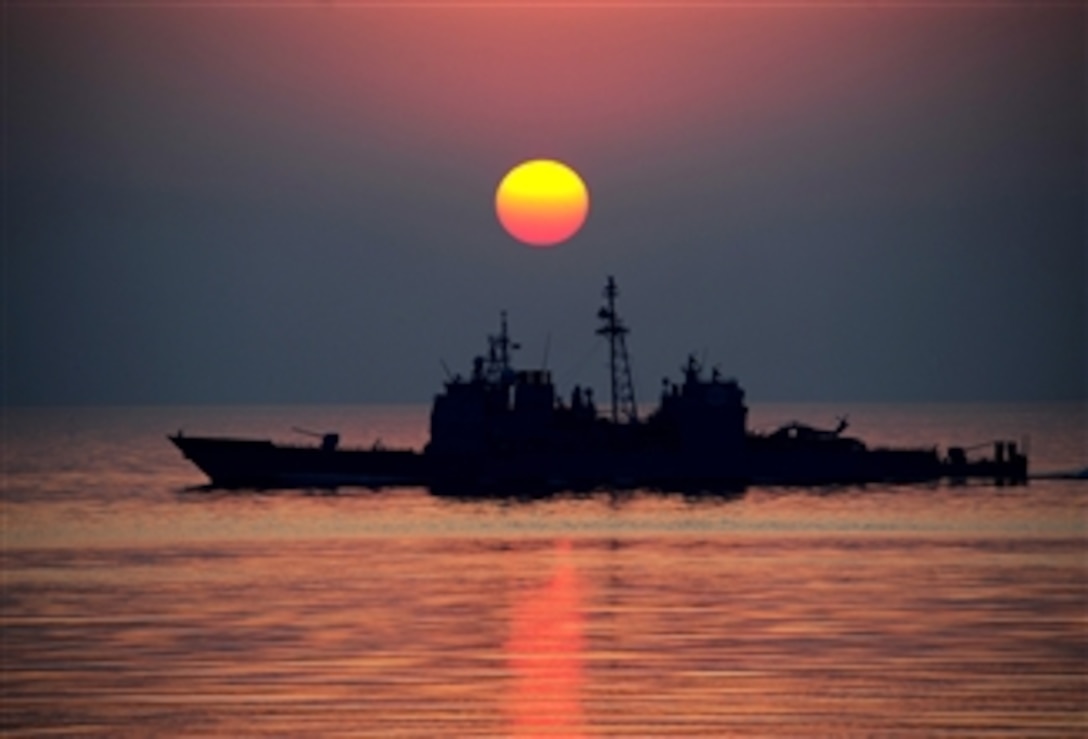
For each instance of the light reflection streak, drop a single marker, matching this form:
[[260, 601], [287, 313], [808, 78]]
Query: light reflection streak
[[545, 652]]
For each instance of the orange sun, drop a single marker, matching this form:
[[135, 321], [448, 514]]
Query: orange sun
[[542, 202]]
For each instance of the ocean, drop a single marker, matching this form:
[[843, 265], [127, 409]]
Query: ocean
[[135, 603]]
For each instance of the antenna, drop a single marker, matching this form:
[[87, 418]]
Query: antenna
[[619, 365]]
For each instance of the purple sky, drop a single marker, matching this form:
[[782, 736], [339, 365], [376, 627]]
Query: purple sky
[[293, 203]]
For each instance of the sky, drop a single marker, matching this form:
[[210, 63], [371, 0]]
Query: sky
[[293, 202]]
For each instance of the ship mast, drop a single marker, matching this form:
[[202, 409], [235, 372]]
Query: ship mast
[[623, 389], [498, 355]]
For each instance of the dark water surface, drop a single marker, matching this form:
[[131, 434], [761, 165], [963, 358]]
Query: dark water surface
[[135, 605]]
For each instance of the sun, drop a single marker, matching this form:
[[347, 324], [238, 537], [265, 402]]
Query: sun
[[542, 202]]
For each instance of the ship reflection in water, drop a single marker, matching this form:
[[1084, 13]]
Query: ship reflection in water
[[545, 652]]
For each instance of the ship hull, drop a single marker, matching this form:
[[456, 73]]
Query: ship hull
[[768, 465], [487, 474], [258, 463], [262, 464]]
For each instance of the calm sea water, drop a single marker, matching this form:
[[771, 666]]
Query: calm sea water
[[135, 605]]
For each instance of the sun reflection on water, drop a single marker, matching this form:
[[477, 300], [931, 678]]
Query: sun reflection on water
[[545, 654]]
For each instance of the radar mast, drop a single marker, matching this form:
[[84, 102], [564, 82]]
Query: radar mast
[[623, 389]]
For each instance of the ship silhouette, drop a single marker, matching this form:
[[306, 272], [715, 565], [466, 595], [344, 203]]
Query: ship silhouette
[[506, 430]]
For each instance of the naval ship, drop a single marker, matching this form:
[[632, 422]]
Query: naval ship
[[505, 430]]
